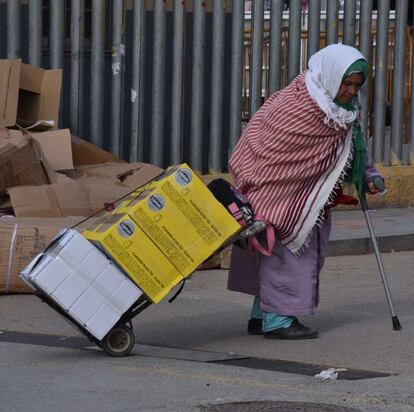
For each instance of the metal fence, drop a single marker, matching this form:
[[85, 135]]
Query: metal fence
[[172, 81]]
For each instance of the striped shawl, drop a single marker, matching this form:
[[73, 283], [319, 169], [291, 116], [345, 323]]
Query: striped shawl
[[288, 161]]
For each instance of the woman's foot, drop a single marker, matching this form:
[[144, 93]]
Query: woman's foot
[[295, 331]]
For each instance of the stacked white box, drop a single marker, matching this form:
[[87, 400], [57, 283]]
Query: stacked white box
[[83, 282]]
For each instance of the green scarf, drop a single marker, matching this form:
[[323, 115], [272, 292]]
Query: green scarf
[[356, 174]]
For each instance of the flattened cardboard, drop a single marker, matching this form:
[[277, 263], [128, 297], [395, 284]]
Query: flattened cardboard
[[130, 174], [64, 199], [81, 196], [85, 153], [139, 174], [9, 91]]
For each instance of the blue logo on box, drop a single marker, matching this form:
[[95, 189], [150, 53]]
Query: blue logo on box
[[183, 176], [156, 202], [126, 228]]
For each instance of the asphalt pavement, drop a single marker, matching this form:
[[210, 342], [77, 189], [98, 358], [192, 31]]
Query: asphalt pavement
[[194, 354]]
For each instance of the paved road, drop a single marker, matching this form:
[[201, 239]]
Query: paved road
[[170, 370]]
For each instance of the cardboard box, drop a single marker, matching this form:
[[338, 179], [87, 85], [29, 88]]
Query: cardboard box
[[20, 241], [20, 161], [182, 217], [83, 282], [56, 147], [9, 91], [28, 94], [130, 247], [39, 94]]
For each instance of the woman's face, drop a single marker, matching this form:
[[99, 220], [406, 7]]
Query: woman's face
[[349, 88]]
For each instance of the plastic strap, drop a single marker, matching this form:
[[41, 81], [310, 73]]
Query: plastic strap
[[172, 299], [10, 263], [254, 244]]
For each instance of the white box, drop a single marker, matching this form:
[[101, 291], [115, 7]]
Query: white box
[[93, 265], [86, 306], [71, 289], [52, 273], [83, 282], [123, 296], [108, 282], [103, 320]]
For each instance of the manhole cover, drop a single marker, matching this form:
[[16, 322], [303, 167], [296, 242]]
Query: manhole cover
[[277, 406]]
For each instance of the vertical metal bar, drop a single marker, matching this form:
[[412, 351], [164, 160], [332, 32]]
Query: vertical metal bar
[[295, 14], [197, 95], [35, 32], [158, 84], [137, 83], [217, 83], [398, 82], [275, 46], [365, 46], [314, 22], [411, 130], [97, 71], [237, 41], [57, 32], [13, 29], [256, 61], [349, 22], [76, 65], [177, 82], [331, 22], [117, 53], [380, 86]]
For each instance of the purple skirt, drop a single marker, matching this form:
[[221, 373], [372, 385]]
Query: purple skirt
[[286, 284]]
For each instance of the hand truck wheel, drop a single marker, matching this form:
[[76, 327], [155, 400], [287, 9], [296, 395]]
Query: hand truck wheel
[[119, 341]]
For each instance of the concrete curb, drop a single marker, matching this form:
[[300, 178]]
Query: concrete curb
[[363, 246]]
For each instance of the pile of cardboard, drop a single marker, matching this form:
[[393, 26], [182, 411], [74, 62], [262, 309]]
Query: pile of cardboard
[[49, 179]]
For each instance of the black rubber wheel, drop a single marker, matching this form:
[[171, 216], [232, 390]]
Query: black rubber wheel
[[119, 341]]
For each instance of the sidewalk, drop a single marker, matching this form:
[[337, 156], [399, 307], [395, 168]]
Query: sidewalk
[[394, 230]]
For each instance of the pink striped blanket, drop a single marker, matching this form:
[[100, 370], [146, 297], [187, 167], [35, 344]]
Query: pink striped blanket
[[288, 161]]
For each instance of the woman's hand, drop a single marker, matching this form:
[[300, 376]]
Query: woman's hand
[[376, 186], [372, 188]]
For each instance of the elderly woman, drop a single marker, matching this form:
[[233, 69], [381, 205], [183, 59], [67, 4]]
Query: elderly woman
[[289, 163]]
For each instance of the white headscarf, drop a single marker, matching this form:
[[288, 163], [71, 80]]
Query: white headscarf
[[323, 79]]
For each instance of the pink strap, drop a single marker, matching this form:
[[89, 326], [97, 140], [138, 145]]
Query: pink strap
[[237, 213], [254, 244]]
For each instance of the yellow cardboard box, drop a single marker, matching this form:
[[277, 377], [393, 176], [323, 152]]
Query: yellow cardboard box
[[182, 217], [121, 238]]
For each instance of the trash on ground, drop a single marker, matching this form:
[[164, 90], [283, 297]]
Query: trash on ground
[[327, 374]]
